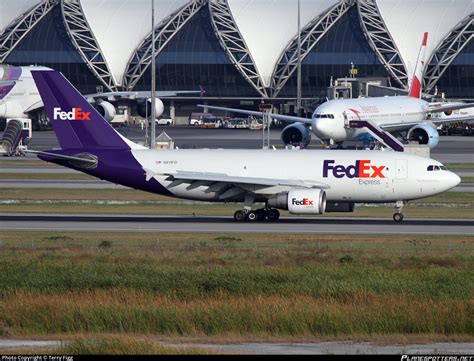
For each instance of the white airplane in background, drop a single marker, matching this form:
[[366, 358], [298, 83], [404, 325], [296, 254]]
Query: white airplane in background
[[19, 97], [395, 114], [302, 182]]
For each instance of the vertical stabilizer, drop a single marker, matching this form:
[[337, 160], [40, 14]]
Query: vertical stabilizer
[[415, 89], [76, 122]]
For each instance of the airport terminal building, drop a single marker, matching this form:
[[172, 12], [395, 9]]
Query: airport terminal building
[[242, 51]]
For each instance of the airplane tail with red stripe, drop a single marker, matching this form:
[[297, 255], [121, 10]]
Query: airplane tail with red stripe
[[415, 88]]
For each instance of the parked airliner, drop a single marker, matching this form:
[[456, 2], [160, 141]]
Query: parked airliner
[[19, 98], [302, 182], [330, 121]]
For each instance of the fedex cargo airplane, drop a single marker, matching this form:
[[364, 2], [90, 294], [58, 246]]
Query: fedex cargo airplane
[[302, 182], [395, 114]]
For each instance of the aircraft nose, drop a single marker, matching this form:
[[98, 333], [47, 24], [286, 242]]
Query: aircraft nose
[[452, 180], [323, 127]]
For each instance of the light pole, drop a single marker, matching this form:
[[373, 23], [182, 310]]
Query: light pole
[[153, 78], [298, 71]]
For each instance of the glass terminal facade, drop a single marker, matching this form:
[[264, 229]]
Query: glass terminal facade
[[458, 80], [48, 45], [344, 43], [194, 58]]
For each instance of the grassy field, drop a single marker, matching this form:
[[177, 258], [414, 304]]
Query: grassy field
[[127, 201], [108, 345], [174, 285], [47, 176]]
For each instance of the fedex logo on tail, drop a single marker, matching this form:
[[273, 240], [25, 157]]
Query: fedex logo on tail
[[361, 169], [74, 114]]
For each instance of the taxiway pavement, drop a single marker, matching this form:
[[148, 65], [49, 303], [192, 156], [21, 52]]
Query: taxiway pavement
[[147, 223]]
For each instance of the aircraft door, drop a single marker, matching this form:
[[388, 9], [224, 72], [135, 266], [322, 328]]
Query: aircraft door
[[401, 171]]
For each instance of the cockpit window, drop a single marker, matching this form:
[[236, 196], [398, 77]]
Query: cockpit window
[[331, 116], [436, 168]]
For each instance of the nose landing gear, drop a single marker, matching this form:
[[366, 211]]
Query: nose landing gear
[[398, 215]]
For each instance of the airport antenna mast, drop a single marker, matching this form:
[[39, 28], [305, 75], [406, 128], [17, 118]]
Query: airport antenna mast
[[153, 80], [298, 81]]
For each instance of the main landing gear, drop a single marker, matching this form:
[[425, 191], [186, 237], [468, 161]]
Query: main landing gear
[[398, 216], [249, 215], [263, 214]]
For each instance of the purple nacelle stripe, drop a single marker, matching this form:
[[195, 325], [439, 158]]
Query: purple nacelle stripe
[[116, 166], [10, 73], [5, 89]]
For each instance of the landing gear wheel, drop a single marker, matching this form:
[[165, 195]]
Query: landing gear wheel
[[398, 217], [252, 216], [273, 215], [239, 216]]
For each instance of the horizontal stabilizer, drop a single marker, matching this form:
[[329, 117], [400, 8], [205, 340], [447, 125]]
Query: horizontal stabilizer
[[88, 161]]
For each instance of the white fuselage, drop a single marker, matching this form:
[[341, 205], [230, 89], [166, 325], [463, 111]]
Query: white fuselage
[[330, 119], [21, 95], [352, 176]]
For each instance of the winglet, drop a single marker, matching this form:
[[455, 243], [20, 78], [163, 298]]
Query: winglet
[[415, 89]]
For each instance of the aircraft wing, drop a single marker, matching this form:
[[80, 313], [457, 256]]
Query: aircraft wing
[[113, 96], [218, 182], [446, 107], [33, 107], [286, 118], [436, 121]]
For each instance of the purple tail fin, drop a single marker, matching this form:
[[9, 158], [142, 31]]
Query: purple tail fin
[[76, 123]]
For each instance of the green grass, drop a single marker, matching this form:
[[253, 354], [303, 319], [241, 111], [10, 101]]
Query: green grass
[[235, 285], [47, 176], [467, 179], [463, 166], [21, 162], [136, 195], [109, 345], [37, 200], [123, 345]]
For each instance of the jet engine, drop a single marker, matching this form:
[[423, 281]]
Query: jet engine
[[144, 108], [107, 110], [340, 207], [300, 201], [296, 134], [425, 133]]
